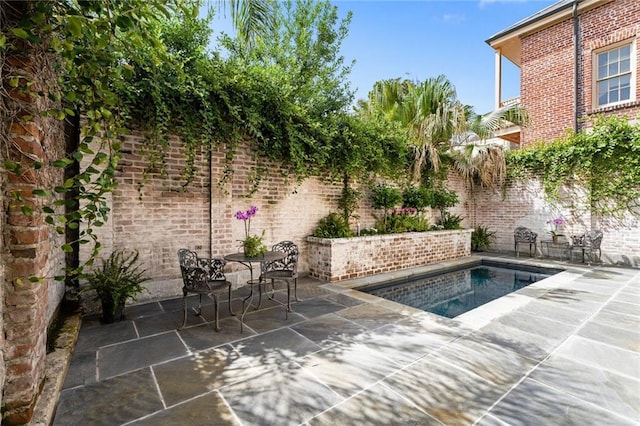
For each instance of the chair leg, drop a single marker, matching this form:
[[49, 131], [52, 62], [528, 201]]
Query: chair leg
[[230, 311], [199, 311], [184, 309], [215, 310], [295, 289], [288, 296]]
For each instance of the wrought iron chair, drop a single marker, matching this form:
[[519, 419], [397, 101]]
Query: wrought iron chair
[[202, 276], [284, 269], [523, 235], [588, 243]]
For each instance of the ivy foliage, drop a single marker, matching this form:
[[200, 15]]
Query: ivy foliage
[[90, 47], [146, 64], [604, 161]]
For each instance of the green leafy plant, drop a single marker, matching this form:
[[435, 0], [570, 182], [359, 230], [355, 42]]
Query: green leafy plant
[[406, 219], [442, 198], [417, 197], [482, 238], [333, 225], [253, 245], [385, 196], [117, 280], [348, 201], [598, 170], [449, 221]]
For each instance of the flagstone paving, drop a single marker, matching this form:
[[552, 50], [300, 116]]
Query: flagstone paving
[[565, 350]]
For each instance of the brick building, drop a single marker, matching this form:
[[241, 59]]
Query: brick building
[[577, 58]]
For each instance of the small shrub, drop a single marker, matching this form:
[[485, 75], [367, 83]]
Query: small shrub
[[385, 196], [481, 238], [333, 225], [402, 220], [449, 221], [442, 198], [117, 280], [417, 197], [369, 231]]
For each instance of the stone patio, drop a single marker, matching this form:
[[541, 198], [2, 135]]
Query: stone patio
[[565, 350]]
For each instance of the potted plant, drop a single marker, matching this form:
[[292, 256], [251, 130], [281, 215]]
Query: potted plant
[[252, 245], [116, 281], [553, 228], [481, 238]]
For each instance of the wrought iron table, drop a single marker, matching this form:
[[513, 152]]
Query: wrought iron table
[[563, 246], [241, 258]]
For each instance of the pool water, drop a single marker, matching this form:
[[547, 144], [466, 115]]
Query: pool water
[[453, 293]]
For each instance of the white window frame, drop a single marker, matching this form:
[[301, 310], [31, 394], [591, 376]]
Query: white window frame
[[633, 72]]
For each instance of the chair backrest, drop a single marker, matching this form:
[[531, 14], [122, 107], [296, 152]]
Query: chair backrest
[[215, 268], [289, 263], [187, 259], [593, 239], [197, 272], [524, 235]]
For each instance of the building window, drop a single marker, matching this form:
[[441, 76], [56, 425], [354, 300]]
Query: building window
[[614, 75]]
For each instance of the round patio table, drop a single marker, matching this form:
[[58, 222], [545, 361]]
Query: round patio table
[[241, 258]]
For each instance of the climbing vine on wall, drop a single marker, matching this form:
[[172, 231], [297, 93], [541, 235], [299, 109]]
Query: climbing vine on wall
[[602, 162]]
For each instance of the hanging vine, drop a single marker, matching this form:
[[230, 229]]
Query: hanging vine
[[603, 161]]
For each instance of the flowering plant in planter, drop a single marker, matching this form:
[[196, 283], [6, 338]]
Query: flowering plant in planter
[[553, 226], [252, 244]]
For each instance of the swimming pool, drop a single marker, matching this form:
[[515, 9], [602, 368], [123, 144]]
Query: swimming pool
[[454, 292]]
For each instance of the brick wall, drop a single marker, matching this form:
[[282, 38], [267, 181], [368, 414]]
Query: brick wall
[[547, 68], [345, 258], [546, 79], [523, 204], [31, 246], [163, 215]]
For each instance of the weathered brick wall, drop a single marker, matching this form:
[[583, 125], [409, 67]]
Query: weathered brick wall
[[345, 258], [32, 247], [523, 205], [163, 215], [547, 68]]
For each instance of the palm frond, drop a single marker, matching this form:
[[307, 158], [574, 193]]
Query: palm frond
[[251, 18]]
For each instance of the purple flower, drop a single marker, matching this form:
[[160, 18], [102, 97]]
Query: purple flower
[[557, 221], [246, 217]]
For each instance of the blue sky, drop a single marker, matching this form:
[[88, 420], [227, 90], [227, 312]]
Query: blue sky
[[423, 39]]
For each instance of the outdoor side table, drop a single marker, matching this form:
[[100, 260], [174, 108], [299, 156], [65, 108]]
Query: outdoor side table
[[561, 246], [241, 258]]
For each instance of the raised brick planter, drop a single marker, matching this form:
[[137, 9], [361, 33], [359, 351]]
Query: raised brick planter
[[336, 259]]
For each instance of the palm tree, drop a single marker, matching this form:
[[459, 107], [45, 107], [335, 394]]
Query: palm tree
[[484, 125], [485, 163], [429, 111]]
